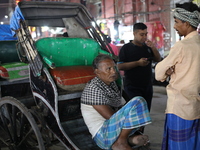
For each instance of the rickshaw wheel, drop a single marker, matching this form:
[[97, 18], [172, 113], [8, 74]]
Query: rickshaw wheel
[[18, 128], [48, 137]]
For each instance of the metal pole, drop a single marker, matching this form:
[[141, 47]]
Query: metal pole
[[144, 9]]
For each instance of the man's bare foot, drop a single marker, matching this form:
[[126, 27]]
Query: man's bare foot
[[121, 146], [138, 140]]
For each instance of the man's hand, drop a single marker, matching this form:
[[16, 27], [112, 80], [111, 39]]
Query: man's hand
[[150, 44], [143, 62], [170, 71], [157, 56], [105, 110]]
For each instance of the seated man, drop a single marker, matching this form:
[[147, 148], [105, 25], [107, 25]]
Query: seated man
[[111, 125]]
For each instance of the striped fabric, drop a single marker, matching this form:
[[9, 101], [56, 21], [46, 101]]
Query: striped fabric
[[192, 17], [131, 116], [180, 134]]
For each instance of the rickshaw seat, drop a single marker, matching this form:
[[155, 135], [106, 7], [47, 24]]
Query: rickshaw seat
[[8, 52], [72, 59], [14, 71], [10, 66], [64, 51]]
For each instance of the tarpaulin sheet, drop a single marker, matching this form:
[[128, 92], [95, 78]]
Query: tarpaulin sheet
[[5, 33], [15, 20]]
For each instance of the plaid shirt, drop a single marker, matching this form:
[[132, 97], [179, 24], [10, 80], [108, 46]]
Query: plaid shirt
[[97, 92]]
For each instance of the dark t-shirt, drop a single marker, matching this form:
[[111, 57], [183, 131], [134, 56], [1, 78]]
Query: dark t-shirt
[[138, 76]]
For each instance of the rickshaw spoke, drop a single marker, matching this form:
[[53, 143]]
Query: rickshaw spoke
[[21, 122], [14, 123], [6, 120], [20, 131]]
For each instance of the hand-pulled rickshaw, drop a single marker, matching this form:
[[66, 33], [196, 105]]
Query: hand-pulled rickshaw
[[58, 69]]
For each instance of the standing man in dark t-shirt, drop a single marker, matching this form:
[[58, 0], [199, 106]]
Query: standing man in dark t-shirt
[[135, 59]]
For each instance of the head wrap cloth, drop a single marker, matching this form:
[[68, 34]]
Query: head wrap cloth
[[192, 17]]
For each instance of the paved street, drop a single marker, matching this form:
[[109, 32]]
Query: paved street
[[155, 129]]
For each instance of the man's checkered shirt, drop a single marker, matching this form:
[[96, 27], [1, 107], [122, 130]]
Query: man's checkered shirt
[[97, 92]]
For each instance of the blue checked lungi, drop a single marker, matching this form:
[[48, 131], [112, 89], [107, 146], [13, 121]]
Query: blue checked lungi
[[180, 134], [133, 115]]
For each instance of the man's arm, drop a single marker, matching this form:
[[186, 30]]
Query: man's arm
[[105, 110], [133, 64], [157, 56], [166, 67]]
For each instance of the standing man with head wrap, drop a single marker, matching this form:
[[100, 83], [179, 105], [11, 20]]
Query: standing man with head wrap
[[182, 125]]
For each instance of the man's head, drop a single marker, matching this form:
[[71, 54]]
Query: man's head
[[65, 34], [108, 38], [186, 17], [140, 32], [105, 68]]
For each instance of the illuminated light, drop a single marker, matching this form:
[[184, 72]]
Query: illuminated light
[[93, 23], [17, 1], [98, 21], [6, 16], [59, 30], [45, 28], [53, 31], [104, 21], [114, 32], [2, 22], [33, 29], [33, 35]]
